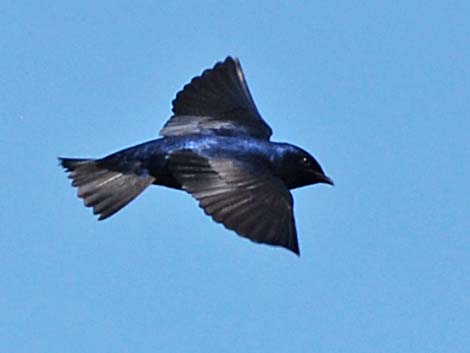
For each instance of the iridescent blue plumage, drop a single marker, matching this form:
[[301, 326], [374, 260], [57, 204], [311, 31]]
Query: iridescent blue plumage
[[216, 147]]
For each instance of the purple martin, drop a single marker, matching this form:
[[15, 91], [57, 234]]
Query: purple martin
[[215, 146]]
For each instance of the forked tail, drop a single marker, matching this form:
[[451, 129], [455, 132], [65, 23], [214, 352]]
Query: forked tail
[[107, 191]]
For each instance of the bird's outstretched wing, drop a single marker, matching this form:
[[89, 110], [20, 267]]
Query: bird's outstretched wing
[[247, 200], [217, 102]]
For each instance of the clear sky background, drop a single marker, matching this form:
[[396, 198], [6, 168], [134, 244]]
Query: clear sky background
[[379, 92]]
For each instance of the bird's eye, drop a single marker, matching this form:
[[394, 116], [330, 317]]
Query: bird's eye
[[305, 161]]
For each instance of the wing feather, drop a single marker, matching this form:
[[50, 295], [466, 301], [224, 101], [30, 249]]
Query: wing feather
[[250, 201], [217, 102]]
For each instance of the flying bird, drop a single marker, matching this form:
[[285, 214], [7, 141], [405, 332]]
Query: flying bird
[[215, 146]]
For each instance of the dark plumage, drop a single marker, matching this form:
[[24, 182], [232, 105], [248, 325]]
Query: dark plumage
[[216, 147]]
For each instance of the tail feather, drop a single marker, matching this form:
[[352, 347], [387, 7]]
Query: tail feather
[[106, 191]]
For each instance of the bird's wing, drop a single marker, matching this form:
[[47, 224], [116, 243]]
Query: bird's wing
[[249, 201], [217, 102]]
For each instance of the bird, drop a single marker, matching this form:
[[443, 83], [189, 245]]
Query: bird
[[216, 147]]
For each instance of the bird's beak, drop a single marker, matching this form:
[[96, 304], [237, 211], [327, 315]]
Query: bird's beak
[[326, 180]]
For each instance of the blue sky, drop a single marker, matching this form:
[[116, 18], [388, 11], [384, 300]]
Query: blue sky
[[377, 91]]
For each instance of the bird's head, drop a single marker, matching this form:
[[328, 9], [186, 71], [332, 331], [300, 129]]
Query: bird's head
[[299, 168]]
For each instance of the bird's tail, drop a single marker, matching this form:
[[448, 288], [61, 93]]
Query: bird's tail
[[107, 191]]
